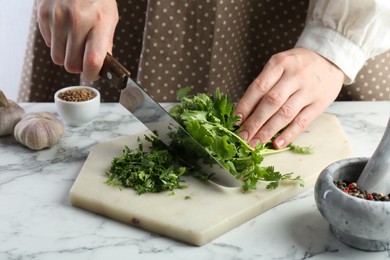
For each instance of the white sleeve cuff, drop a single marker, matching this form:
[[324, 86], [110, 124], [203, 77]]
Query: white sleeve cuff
[[335, 47]]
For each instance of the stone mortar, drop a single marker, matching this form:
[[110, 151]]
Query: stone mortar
[[356, 222]]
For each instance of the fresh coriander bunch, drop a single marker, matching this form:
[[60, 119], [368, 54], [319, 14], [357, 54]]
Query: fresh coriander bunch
[[211, 121]]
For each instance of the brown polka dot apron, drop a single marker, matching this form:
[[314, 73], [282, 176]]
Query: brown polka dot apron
[[206, 44]]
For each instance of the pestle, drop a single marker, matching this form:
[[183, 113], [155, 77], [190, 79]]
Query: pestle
[[375, 176]]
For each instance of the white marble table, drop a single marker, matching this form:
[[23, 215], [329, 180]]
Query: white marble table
[[37, 220]]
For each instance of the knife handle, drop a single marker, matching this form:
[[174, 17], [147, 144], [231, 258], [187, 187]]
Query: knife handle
[[114, 72]]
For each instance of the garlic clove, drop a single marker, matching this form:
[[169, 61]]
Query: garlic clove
[[39, 130], [10, 114]]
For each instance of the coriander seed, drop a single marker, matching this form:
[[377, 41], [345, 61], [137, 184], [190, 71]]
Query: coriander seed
[[77, 95]]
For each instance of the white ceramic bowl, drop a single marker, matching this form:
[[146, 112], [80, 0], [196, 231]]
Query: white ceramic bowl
[[359, 223], [77, 113]]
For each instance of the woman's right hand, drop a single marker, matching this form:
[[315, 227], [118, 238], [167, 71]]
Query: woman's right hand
[[79, 33]]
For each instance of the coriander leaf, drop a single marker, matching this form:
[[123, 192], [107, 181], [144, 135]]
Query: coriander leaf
[[300, 149], [183, 92]]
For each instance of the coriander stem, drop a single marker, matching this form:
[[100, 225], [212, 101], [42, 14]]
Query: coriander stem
[[273, 151], [242, 141]]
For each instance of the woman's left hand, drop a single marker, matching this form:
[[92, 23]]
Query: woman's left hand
[[294, 88]]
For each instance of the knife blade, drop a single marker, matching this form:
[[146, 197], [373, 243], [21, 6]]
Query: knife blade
[[135, 99]]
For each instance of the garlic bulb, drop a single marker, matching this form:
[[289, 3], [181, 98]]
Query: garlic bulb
[[10, 115], [39, 130]]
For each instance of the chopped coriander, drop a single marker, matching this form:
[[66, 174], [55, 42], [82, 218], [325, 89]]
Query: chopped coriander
[[146, 171]]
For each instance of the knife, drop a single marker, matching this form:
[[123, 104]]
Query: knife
[[157, 119]]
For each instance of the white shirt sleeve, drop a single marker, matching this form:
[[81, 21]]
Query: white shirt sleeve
[[347, 32]]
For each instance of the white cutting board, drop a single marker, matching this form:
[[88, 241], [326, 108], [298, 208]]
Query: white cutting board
[[211, 210]]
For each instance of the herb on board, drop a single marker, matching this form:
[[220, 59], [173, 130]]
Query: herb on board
[[151, 170], [211, 121]]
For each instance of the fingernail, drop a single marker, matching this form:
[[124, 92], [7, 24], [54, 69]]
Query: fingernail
[[243, 134], [239, 121], [280, 143], [254, 142]]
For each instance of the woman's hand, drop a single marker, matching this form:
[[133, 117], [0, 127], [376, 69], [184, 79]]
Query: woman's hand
[[294, 88], [79, 33]]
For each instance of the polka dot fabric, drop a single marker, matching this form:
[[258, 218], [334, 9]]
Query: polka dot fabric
[[214, 44], [372, 83], [206, 44]]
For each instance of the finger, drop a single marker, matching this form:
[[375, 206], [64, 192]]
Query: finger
[[266, 108], [99, 42], [59, 37], [298, 125], [58, 47], [282, 117], [44, 29], [46, 34], [43, 17], [75, 50], [257, 89]]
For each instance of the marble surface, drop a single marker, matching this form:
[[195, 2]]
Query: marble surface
[[37, 220]]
